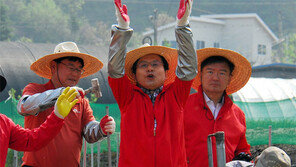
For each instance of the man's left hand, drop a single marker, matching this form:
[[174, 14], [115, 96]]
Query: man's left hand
[[184, 12], [107, 124]]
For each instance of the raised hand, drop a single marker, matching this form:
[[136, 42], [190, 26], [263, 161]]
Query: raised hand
[[121, 14], [65, 102], [184, 12]]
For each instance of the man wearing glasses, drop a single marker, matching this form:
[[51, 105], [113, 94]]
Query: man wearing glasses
[[63, 68]]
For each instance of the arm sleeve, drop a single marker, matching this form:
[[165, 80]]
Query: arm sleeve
[[243, 145], [187, 60], [31, 140], [182, 91], [93, 132], [117, 51], [122, 91], [32, 103]]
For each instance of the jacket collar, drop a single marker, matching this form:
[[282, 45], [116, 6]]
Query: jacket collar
[[227, 102]]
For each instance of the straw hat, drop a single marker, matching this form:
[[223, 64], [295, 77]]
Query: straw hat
[[2, 83], [42, 66], [240, 75], [273, 156], [169, 54]]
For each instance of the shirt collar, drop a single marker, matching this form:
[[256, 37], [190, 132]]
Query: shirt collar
[[207, 99]]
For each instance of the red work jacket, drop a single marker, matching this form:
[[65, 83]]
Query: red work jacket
[[141, 145], [200, 122], [15, 137], [65, 147]]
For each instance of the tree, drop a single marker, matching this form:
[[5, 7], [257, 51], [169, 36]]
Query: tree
[[290, 50], [5, 29]]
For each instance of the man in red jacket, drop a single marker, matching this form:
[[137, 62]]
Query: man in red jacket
[[150, 95], [63, 68], [222, 72], [20, 139]]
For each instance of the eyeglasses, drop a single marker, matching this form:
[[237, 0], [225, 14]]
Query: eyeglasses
[[154, 64], [73, 69]]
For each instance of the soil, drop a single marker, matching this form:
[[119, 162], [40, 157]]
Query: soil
[[289, 149]]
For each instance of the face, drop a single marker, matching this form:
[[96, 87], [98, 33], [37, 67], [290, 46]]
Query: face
[[150, 72], [66, 73], [215, 78]]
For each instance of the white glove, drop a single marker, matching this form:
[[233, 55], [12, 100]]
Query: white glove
[[121, 14], [184, 12]]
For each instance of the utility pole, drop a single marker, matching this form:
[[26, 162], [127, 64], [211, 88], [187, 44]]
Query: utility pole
[[153, 19], [281, 36]]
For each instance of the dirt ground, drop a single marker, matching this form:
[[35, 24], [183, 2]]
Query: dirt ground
[[289, 149]]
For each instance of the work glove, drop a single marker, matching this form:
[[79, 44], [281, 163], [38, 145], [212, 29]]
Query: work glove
[[80, 91], [121, 14], [243, 156], [107, 124], [184, 12], [65, 102], [94, 130]]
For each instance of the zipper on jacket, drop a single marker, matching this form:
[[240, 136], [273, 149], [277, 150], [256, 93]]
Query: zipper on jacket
[[154, 129]]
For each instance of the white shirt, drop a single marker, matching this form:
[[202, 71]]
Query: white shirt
[[215, 109]]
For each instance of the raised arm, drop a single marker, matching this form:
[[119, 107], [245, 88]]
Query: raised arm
[[120, 35], [187, 60]]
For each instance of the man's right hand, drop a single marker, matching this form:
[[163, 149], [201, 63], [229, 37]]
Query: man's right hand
[[121, 14], [65, 102]]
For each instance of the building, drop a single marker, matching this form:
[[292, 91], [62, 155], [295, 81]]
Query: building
[[244, 33]]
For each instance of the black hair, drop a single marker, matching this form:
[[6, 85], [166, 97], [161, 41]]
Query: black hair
[[217, 59], [165, 64], [70, 58]]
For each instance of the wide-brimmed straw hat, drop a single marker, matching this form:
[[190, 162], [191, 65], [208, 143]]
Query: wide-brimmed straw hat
[[169, 54], [2, 83], [42, 66], [240, 75]]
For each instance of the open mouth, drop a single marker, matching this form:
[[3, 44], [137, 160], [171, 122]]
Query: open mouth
[[150, 76]]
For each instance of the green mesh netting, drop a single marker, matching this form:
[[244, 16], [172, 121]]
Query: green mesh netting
[[279, 114]]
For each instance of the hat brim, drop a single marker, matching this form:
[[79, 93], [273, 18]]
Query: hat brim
[[42, 66], [169, 54], [240, 75], [2, 83]]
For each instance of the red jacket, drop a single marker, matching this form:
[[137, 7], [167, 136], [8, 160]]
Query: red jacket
[[140, 145], [20, 139], [65, 148], [199, 123]]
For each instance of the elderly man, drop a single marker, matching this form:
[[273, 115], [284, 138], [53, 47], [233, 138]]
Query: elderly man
[[64, 68], [150, 95], [20, 139], [210, 110]]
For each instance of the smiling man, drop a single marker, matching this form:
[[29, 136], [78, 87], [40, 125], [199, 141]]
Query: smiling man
[[210, 110], [151, 91], [63, 68]]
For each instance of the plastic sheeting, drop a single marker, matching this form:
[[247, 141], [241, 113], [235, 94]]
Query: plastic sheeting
[[267, 99], [16, 58]]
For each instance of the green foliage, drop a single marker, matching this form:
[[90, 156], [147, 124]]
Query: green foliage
[[166, 43], [5, 29], [93, 98], [290, 50]]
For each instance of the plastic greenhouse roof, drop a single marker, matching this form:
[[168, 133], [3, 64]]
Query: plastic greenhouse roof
[[267, 99], [266, 90]]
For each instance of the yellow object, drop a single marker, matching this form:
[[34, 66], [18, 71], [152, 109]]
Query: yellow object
[[65, 102]]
